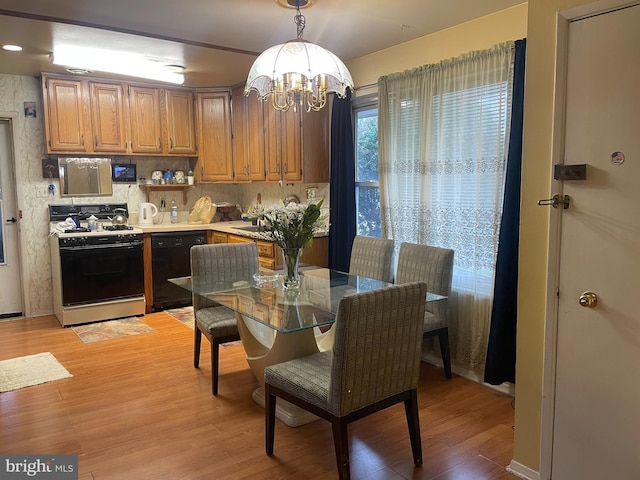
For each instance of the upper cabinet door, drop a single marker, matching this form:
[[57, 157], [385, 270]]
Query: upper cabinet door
[[108, 117], [248, 136], [180, 122], [66, 118], [272, 144], [146, 133], [291, 131], [255, 138], [240, 135], [215, 159]]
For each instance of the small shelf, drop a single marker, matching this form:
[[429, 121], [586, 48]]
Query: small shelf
[[173, 186]]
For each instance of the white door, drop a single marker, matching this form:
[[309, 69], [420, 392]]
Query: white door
[[10, 282], [597, 403]]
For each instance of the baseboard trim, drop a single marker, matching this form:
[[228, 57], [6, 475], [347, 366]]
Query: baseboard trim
[[521, 471], [507, 388]]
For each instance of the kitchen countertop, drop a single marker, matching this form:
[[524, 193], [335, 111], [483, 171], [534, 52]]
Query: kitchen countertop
[[225, 227]]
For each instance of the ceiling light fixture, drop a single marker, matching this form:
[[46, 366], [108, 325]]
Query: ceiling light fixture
[[121, 63], [298, 73], [12, 48]]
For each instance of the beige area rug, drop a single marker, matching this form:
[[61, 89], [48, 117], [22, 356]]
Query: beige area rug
[[31, 370], [184, 315], [99, 331]]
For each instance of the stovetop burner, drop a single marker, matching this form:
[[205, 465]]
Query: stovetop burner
[[106, 211], [77, 230], [117, 227]]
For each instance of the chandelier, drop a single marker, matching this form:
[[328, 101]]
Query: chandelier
[[298, 73]]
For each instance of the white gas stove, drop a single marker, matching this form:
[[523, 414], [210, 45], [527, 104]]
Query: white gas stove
[[97, 274]]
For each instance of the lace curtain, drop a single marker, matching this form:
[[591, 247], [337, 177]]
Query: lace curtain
[[443, 138]]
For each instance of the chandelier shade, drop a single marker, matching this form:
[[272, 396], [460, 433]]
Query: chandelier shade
[[298, 73]]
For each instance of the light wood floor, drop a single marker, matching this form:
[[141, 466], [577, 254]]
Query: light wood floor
[[137, 409]]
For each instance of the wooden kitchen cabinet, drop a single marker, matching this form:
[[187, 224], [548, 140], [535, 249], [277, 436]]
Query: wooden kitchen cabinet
[[96, 116], [268, 253], [248, 137], [218, 237], [108, 117], [215, 159], [297, 145], [180, 122], [291, 146], [272, 142], [239, 135], [318, 253], [66, 114], [145, 121]]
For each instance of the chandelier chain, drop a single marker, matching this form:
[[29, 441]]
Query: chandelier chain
[[300, 21]]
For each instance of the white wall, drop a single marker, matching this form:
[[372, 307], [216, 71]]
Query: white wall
[[28, 152]]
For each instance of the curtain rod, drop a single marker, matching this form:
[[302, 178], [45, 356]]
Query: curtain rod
[[367, 85], [370, 85]]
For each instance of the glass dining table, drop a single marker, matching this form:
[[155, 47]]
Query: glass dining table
[[277, 325]]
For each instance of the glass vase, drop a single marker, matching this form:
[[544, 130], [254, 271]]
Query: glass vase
[[290, 260]]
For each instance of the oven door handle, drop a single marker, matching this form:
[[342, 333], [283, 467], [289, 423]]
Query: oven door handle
[[85, 248]]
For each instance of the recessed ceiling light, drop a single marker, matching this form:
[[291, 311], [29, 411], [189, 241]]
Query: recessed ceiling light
[[12, 48]]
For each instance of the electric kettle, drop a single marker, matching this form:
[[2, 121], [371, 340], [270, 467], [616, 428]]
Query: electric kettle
[[147, 212]]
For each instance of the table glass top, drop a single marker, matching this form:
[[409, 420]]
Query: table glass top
[[315, 304]]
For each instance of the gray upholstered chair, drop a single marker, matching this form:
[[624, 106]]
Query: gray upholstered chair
[[422, 263], [374, 363], [226, 261], [372, 257]]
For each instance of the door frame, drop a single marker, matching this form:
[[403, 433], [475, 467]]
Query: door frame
[[564, 18], [18, 172]]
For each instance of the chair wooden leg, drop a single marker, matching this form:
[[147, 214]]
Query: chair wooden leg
[[413, 422], [197, 341], [214, 368], [443, 338], [341, 445], [269, 418]]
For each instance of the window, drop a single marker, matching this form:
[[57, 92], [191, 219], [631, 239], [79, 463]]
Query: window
[[443, 133], [366, 147]]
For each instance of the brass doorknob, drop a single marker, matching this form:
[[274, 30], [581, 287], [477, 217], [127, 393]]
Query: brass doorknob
[[588, 300]]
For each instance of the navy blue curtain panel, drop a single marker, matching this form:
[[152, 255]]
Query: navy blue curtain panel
[[501, 353], [342, 185]]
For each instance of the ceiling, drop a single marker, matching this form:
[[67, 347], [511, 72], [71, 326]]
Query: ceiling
[[218, 40]]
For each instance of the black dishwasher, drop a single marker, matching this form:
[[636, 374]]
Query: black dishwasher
[[170, 258]]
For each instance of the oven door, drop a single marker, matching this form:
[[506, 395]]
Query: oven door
[[101, 273]]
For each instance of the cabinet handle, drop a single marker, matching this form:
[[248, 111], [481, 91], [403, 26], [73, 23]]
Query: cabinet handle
[[96, 140], [82, 139], [158, 144], [171, 143]]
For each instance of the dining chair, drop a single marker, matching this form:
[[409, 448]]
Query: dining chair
[[374, 364], [434, 266], [372, 257], [223, 261]]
